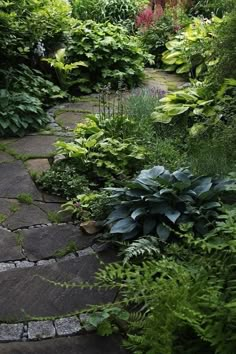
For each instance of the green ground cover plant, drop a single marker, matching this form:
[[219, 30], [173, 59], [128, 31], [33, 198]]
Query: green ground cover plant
[[109, 53], [30, 25], [190, 51], [158, 202]]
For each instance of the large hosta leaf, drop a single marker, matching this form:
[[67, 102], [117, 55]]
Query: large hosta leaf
[[123, 226], [172, 215], [163, 232], [149, 224]]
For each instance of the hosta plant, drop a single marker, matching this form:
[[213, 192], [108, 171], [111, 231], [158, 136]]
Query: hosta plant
[[190, 52], [162, 203], [109, 53], [201, 108], [101, 156], [19, 113]]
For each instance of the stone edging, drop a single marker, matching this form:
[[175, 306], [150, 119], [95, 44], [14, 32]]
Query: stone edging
[[4, 266], [45, 329]]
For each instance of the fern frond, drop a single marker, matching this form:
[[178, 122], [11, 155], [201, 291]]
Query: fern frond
[[145, 246]]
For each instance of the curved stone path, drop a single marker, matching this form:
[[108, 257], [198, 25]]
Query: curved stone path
[[35, 315]]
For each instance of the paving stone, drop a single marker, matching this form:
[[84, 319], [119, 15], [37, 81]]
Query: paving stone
[[10, 332], [24, 264], [4, 157], [87, 251], [37, 166], [9, 249], [67, 326], [86, 344], [35, 145], [54, 208], [69, 120], [41, 330], [6, 266], [8, 206], [15, 180], [27, 215], [29, 290], [46, 241], [46, 262]]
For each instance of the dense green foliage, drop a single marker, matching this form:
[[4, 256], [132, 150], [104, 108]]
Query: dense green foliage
[[110, 54], [19, 113], [24, 23], [183, 302], [99, 156], [158, 202], [114, 11], [190, 51], [63, 180], [207, 7]]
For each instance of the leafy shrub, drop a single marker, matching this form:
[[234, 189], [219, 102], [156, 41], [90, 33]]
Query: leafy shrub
[[225, 49], [155, 34], [63, 179], [158, 202], [22, 78], [178, 304], [24, 23], [110, 54], [90, 206], [207, 7], [19, 113], [205, 108], [213, 152], [114, 11], [100, 156], [191, 50]]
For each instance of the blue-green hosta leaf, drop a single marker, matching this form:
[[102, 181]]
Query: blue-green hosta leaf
[[182, 176], [138, 212], [123, 226], [172, 215], [204, 186], [149, 224], [163, 232], [117, 214]]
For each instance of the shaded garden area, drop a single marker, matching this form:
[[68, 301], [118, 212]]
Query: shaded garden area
[[117, 126]]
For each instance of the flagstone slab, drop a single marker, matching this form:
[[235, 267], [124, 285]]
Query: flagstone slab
[[4, 157], [10, 250], [28, 292], [27, 215], [45, 242], [37, 166], [69, 120], [82, 344], [15, 180], [35, 145], [8, 206]]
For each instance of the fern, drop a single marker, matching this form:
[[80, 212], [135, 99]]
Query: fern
[[143, 247]]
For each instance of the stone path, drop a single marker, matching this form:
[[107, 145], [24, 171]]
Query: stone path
[[37, 316]]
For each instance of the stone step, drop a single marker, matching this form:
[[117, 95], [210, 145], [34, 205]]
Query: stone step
[[27, 293], [83, 344]]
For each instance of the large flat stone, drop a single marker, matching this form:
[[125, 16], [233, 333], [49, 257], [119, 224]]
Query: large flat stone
[[27, 215], [37, 166], [15, 180], [23, 292], [9, 249], [84, 344], [46, 241], [8, 206], [4, 157], [69, 120], [35, 145]]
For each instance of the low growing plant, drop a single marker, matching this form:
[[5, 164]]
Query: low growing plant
[[162, 203], [109, 53], [191, 51]]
